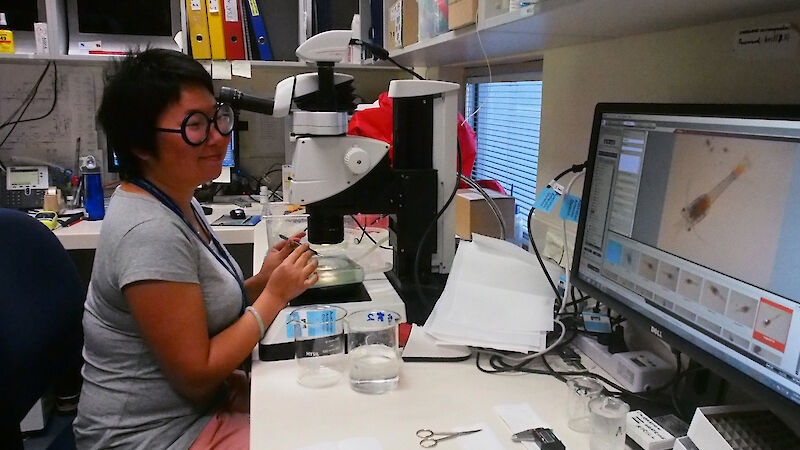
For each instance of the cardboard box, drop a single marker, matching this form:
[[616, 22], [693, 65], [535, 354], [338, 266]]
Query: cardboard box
[[410, 22], [461, 13], [474, 215], [402, 23], [394, 25]]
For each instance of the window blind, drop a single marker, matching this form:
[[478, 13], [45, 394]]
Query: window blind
[[507, 125]]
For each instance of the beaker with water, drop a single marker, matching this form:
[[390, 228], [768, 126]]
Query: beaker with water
[[372, 344], [319, 342]]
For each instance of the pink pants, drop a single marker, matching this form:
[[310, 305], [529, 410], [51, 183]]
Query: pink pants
[[229, 429]]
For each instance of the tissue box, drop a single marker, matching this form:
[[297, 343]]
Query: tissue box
[[461, 13], [474, 215]]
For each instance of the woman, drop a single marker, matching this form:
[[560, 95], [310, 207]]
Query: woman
[[168, 317]]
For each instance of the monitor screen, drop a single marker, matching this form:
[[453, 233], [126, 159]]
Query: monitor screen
[[140, 18], [690, 221], [114, 28], [231, 154], [21, 15]]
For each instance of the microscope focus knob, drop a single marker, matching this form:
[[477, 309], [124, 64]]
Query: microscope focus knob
[[357, 160]]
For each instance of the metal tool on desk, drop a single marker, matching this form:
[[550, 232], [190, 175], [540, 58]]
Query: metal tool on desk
[[428, 439], [295, 243]]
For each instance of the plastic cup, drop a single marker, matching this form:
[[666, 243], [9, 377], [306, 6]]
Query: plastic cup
[[608, 416], [319, 343], [373, 350], [279, 221], [579, 391]]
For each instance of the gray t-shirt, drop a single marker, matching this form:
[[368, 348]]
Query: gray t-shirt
[[126, 400]]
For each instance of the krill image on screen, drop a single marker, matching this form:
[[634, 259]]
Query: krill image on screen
[[725, 202]]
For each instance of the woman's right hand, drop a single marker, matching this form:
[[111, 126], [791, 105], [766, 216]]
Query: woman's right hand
[[294, 275]]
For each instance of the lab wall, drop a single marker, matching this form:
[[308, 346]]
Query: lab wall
[[55, 139]]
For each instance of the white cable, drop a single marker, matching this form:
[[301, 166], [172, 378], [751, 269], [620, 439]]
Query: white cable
[[567, 295], [488, 66], [492, 204], [523, 358]]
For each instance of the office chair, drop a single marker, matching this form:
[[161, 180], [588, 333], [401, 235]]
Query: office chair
[[41, 305]]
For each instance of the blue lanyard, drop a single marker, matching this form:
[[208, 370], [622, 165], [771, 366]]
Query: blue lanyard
[[220, 254]]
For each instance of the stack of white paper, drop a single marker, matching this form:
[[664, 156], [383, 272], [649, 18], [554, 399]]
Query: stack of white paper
[[496, 296]]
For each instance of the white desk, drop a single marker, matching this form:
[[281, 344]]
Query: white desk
[[438, 396], [85, 234]]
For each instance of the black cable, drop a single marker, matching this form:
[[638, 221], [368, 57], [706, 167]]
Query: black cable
[[28, 98], [365, 233], [500, 366], [381, 53], [32, 96], [575, 168], [433, 223], [52, 106]]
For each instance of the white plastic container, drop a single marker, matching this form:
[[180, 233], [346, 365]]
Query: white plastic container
[[491, 8]]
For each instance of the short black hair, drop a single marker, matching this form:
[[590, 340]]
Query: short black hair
[[137, 91]]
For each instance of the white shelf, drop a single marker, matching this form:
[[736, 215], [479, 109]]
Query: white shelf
[[558, 23], [105, 59]]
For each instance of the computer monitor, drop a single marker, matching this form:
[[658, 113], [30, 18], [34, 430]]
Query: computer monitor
[[230, 162], [690, 223], [99, 27]]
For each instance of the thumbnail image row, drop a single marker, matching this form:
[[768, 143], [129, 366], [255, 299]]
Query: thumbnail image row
[[692, 287], [744, 343], [770, 322]]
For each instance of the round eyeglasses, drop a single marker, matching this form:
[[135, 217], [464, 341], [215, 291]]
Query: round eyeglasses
[[196, 125]]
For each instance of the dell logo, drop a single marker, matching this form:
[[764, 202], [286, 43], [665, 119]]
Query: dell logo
[[655, 331]]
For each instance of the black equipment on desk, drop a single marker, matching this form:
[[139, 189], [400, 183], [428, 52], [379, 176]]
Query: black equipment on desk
[[689, 226], [24, 187], [411, 188]]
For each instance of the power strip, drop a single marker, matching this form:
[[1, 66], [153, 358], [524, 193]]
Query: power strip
[[636, 371]]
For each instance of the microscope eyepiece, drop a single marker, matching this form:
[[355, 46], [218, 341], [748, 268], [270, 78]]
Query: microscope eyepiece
[[241, 101]]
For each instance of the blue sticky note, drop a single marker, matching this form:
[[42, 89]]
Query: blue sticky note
[[546, 200], [614, 252], [571, 208], [321, 323]]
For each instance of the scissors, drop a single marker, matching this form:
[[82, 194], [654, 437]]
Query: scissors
[[428, 439]]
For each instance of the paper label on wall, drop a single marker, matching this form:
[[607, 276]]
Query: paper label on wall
[[221, 70], [546, 200], [231, 10], [213, 6], [241, 69], [570, 208], [771, 42], [196, 5]]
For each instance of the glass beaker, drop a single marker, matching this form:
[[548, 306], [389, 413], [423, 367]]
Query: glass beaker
[[319, 342], [608, 416], [579, 391], [373, 350]]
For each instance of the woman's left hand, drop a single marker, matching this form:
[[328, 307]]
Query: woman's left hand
[[276, 255]]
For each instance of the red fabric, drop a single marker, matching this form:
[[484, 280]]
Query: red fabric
[[377, 123], [493, 185], [403, 331]]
